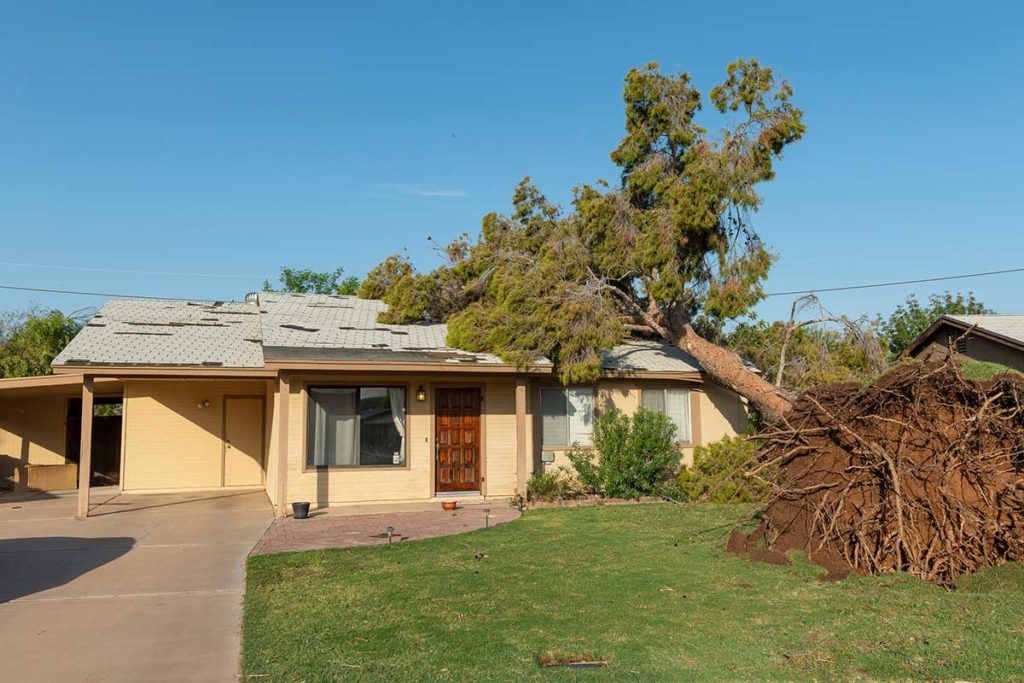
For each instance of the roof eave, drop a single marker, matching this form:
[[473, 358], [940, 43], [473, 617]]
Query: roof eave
[[983, 332]]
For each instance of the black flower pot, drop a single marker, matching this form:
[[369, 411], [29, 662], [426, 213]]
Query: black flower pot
[[300, 510]]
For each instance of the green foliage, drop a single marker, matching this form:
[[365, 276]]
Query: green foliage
[[29, 341], [306, 281], [672, 246], [911, 318], [635, 455], [385, 277], [552, 485], [717, 474], [814, 355]]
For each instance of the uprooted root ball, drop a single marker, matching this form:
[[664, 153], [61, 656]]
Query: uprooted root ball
[[919, 472]]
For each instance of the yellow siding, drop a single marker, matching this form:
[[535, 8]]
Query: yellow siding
[[414, 481], [32, 432], [170, 441], [720, 412], [499, 426]]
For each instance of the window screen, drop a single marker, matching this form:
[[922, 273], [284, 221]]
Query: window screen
[[675, 403], [567, 416]]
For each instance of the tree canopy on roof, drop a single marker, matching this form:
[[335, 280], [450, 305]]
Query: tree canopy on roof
[[669, 252]]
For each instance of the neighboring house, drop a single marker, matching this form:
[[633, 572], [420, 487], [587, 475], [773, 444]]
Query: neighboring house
[[992, 338], [191, 391]]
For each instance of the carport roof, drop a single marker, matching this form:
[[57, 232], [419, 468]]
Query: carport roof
[[274, 327]]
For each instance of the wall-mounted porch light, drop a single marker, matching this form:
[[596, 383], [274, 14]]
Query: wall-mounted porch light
[[203, 405], [421, 394]]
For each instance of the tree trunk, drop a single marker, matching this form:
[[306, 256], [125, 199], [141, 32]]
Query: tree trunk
[[726, 368]]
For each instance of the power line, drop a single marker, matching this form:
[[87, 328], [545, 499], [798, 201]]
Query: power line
[[897, 282], [123, 271], [790, 293], [106, 294]]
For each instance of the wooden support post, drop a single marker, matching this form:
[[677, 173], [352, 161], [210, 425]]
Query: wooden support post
[[85, 449], [521, 431], [283, 398]]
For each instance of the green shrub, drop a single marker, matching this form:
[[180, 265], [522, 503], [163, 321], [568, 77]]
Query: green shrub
[[717, 474], [635, 455], [557, 484]]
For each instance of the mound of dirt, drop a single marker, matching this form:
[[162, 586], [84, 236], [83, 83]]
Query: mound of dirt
[[919, 472]]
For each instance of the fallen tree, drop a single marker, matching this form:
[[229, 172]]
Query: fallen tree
[[919, 472]]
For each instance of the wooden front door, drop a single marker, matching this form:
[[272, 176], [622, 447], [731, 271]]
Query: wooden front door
[[457, 432], [243, 441]]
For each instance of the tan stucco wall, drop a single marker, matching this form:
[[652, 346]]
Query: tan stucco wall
[[716, 412], [170, 442], [415, 480], [32, 432]]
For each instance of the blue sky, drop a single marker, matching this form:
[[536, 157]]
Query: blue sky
[[237, 138]]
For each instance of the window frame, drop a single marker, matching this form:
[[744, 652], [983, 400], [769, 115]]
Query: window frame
[[307, 404], [690, 394], [565, 392]]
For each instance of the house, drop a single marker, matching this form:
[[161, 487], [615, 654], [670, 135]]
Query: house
[[312, 399], [991, 338]]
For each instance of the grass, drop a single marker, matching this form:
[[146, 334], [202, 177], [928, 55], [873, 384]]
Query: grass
[[649, 588], [980, 370]]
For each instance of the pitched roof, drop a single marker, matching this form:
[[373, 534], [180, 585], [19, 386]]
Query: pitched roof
[[296, 327], [648, 356], [296, 324], [185, 333], [1009, 326]]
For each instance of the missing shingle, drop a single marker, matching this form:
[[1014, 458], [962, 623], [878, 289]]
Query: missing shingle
[[381, 346], [300, 328], [399, 332]]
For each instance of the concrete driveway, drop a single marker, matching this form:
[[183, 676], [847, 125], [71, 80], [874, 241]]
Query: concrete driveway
[[147, 589]]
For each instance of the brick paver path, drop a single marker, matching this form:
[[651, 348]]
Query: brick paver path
[[337, 530]]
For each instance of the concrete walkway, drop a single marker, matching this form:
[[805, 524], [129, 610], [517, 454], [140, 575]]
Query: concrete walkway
[[348, 527], [148, 589]]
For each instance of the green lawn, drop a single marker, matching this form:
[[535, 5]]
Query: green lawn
[[649, 588]]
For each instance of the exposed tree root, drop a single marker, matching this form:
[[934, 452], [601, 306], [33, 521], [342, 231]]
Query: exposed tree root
[[919, 472]]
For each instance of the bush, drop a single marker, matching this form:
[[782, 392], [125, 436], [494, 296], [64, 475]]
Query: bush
[[717, 475], [558, 484], [636, 455]]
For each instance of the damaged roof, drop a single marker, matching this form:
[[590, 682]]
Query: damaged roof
[[186, 333], [293, 327]]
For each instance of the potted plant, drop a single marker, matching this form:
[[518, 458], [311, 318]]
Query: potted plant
[[300, 510]]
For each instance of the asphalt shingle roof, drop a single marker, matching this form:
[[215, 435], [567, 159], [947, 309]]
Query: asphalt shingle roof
[[1011, 326], [186, 333], [241, 334]]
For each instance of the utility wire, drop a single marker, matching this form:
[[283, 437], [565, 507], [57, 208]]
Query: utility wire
[[897, 282], [106, 294], [790, 293]]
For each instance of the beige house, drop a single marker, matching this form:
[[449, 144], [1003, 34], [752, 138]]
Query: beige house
[[311, 399]]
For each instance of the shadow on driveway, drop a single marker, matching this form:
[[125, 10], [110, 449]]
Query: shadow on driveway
[[33, 565]]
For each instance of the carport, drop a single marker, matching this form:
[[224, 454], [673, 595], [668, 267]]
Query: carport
[[45, 443]]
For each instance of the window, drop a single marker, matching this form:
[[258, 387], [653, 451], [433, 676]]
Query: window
[[672, 402], [355, 426], [567, 416]]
